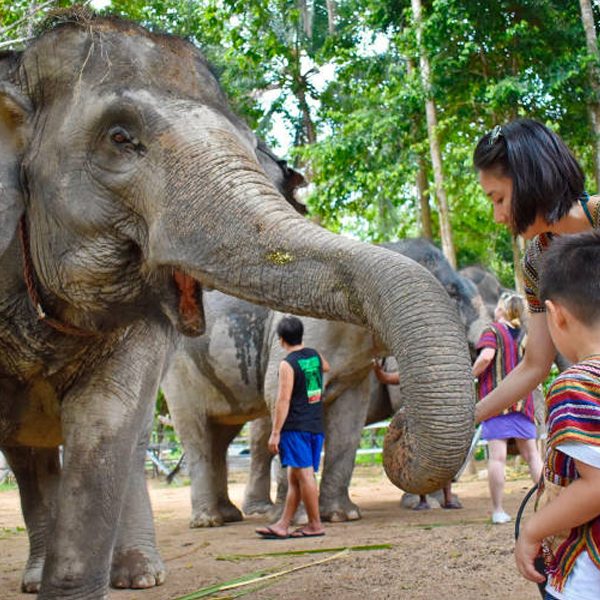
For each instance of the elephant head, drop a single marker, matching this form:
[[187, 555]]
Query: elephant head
[[137, 186]]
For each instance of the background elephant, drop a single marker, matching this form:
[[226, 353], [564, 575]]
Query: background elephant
[[227, 377], [487, 285], [127, 186]]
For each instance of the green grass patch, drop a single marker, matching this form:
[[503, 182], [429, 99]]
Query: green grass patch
[[429, 526], [7, 532], [7, 486]]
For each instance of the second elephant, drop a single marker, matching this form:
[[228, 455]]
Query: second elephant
[[228, 376]]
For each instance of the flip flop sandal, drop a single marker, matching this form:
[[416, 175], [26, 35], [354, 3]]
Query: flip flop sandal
[[300, 533], [270, 534]]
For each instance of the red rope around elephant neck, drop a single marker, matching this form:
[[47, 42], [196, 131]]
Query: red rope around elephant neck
[[34, 297]]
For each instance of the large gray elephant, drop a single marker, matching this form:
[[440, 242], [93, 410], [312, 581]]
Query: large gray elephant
[[227, 377], [127, 185]]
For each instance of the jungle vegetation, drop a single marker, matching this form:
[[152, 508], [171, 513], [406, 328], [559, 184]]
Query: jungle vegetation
[[381, 102]]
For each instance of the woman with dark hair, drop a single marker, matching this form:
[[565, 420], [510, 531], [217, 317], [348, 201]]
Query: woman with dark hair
[[536, 187]]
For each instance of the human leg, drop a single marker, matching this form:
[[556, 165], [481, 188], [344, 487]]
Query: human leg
[[309, 493], [422, 504], [281, 527], [529, 451], [449, 501], [496, 466]]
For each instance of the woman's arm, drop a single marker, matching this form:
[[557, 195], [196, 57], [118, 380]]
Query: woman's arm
[[531, 371], [486, 356]]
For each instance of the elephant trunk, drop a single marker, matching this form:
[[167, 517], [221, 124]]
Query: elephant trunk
[[239, 236]]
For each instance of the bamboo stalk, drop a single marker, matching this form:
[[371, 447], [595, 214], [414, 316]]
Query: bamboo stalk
[[258, 577], [309, 551]]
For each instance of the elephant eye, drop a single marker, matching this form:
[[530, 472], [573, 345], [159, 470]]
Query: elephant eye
[[119, 136], [123, 139]]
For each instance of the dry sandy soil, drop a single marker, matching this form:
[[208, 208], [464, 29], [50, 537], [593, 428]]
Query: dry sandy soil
[[434, 554]]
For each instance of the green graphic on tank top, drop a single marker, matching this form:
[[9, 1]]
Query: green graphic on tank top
[[311, 367]]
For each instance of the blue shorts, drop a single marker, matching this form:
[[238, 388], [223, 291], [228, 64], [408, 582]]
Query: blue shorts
[[300, 449]]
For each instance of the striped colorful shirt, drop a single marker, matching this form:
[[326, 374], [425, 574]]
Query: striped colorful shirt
[[573, 403], [509, 350], [533, 257]]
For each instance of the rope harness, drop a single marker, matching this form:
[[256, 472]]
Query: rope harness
[[29, 277], [539, 561]]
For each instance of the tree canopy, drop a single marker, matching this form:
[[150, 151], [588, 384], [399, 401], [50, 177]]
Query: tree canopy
[[341, 83]]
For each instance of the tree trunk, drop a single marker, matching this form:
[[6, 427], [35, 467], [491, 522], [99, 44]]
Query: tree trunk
[[426, 228], [309, 132], [31, 12], [434, 147], [331, 16], [587, 18], [306, 18], [422, 184]]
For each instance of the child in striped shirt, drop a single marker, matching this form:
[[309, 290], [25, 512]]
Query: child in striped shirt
[[566, 525]]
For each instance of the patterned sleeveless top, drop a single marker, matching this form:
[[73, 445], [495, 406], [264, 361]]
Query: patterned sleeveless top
[[533, 256], [573, 414], [509, 350]]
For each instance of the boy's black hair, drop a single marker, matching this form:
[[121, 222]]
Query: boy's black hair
[[570, 275], [290, 330], [547, 179]]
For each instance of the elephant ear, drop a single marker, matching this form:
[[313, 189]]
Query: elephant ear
[[15, 111], [286, 179]]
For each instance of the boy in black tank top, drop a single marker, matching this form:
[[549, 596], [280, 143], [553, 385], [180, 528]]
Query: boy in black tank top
[[298, 433]]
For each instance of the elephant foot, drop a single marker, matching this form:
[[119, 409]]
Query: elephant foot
[[32, 576], [137, 568], [413, 501], [257, 507], [207, 519], [339, 514], [230, 512]]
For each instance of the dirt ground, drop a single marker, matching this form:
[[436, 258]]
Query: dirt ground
[[434, 554]]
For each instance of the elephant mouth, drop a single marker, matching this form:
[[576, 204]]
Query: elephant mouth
[[190, 310]]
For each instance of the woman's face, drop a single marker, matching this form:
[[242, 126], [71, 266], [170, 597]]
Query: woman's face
[[499, 312], [498, 188]]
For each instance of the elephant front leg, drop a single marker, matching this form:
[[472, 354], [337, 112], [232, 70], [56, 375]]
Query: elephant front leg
[[37, 471], [257, 496], [102, 420], [136, 562], [221, 438], [344, 421], [206, 449]]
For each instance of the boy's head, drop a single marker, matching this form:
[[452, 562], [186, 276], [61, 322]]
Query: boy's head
[[290, 330], [570, 288]]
